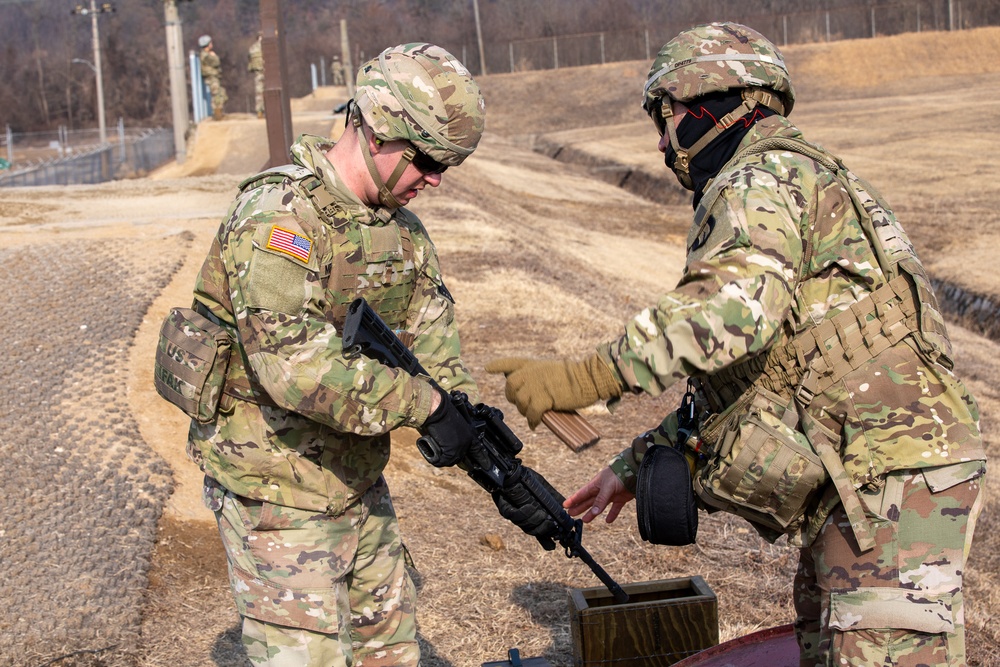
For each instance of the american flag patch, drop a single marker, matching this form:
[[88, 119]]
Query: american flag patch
[[289, 243]]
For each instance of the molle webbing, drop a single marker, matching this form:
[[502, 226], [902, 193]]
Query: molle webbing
[[347, 276], [819, 357], [384, 245], [388, 293]]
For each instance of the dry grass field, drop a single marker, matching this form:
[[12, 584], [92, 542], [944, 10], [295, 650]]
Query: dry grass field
[[545, 257]]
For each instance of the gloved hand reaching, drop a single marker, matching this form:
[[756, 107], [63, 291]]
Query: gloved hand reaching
[[451, 433], [517, 505], [536, 387]]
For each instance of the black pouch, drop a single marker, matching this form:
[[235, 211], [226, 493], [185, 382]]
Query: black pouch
[[664, 498]]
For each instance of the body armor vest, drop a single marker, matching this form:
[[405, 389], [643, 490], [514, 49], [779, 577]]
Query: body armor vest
[[782, 368], [902, 310], [374, 261]]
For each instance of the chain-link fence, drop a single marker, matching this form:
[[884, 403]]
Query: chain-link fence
[[78, 157], [819, 25]]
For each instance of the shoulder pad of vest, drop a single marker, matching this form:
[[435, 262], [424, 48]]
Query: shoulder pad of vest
[[287, 172], [778, 143]]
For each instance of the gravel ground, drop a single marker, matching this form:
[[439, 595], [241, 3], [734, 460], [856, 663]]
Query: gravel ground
[[80, 491]]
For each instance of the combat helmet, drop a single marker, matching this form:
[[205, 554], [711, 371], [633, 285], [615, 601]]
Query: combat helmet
[[710, 59], [422, 94], [204, 41]]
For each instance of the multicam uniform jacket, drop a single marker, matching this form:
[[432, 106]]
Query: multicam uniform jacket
[[776, 247], [211, 66], [301, 424]]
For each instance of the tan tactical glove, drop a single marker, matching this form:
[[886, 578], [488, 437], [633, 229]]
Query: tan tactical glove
[[536, 387]]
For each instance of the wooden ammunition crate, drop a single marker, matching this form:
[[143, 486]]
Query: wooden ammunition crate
[[514, 659], [663, 622]]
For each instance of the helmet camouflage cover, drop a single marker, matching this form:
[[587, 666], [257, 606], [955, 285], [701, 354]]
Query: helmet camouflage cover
[[421, 93], [715, 58]]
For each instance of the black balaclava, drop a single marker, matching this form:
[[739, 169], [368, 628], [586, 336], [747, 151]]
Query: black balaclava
[[701, 118]]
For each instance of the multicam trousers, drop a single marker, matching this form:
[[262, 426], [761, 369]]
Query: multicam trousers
[[315, 590], [218, 93], [258, 92], [899, 604]]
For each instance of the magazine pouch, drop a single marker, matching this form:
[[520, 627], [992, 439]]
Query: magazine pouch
[[192, 358], [758, 465]]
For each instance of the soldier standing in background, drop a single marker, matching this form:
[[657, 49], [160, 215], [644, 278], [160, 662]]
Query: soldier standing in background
[[821, 400], [294, 456], [255, 65], [211, 74], [337, 70]]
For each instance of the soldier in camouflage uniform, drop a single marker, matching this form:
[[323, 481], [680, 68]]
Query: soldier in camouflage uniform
[[211, 74], [255, 65], [294, 458], [800, 288], [337, 69]]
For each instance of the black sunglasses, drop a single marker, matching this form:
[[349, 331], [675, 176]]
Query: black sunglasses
[[426, 164]]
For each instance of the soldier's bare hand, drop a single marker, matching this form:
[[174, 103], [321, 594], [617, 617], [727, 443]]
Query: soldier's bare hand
[[591, 499]]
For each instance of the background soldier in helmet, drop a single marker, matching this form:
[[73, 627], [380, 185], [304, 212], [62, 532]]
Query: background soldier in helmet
[[821, 404], [211, 74], [294, 457], [255, 65]]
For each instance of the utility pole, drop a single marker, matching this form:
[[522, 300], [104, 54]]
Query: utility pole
[[277, 108], [345, 57], [178, 87], [93, 11], [479, 37]]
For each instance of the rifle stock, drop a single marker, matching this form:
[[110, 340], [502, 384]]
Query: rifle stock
[[492, 462]]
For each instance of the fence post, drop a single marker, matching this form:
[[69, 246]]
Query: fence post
[[197, 96], [555, 52], [10, 146], [873, 21], [828, 26], [479, 38], [510, 50], [784, 29], [602, 48], [646, 31], [121, 140]]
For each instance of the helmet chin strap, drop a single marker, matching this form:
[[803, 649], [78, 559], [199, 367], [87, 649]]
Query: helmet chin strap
[[385, 196], [682, 164]]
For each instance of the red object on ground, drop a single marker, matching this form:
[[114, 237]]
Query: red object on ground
[[773, 647]]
